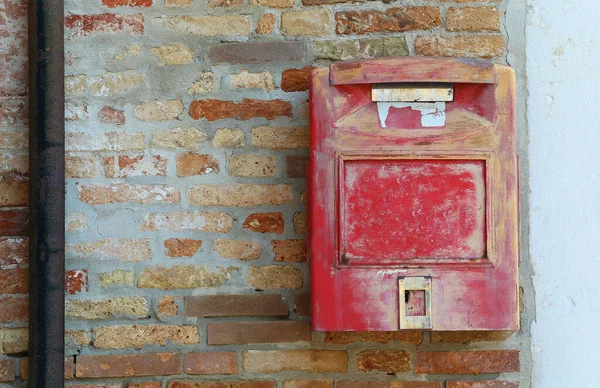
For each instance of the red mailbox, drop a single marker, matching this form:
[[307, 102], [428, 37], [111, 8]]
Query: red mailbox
[[413, 196]]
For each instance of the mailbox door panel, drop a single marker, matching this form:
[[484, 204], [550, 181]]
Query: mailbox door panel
[[410, 201]]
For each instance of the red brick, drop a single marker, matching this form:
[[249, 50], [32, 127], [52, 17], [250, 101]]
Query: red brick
[[14, 281], [302, 305], [308, 384], [149, 384], [288, 251], [69, 363], [296, 166], [14, 309], [482, 384], [126, 3], [389, 361], [210, 363], [182, 247], [265, 222], [76, 280], [483, 361], [13, 251], [196, 164], [111, 116], [391, 20], [152, 364], [223, 384], [7, 370], [382, 337], [119, 385], [246, 109], [235, 305], [389, 384], [468, 336], [13, 222], [83, 25], [226, 333], [295, 80]]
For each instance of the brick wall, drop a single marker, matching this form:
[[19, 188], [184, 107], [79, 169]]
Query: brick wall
[[186, 148]]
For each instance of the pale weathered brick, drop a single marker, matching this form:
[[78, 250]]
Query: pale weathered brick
[[111, 141], [14, 340], [181, 276], [83, 166], [237, 249], [473, 19], [216, 222], [273, 277], [313, 361], [337, 50], [103, 85], [206, 25], [478, 46], [116, 277], [277, 138], [167, 306], [14, 194], [313, 22], [179, 138], [177, 3], [159, 110], [308, 384], [204, 84], [247, 80], [300, 223], [274, 3], [229, 138], [136, 336], [243, 195], [177, 54], [132, 307], [468, 336], [125, 249], [266, 24], [121, 193], [252, 165], [76, 112]]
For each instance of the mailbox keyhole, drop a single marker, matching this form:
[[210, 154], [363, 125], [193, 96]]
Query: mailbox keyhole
[[415, 303]]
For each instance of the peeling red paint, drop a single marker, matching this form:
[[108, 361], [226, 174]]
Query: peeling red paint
[[76, 280]]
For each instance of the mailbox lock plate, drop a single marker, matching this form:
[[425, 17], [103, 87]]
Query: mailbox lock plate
[[414, 284]]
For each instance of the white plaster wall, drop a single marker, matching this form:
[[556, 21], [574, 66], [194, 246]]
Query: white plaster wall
[[563, 71]]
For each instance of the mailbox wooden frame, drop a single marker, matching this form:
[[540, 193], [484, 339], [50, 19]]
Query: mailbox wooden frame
[[466, 294]]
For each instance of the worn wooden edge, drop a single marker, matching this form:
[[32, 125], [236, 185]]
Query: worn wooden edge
[[413, 69]]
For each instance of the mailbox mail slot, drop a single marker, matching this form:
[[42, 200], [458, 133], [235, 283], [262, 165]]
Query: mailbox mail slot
[[413, 196]]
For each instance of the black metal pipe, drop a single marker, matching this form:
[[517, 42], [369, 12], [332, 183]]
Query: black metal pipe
[[46, 193]]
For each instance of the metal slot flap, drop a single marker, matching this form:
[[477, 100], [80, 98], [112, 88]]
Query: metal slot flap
[[412, 92], [406, 285]]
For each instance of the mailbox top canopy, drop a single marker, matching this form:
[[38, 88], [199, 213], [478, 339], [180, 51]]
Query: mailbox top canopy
[[414, 69]]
